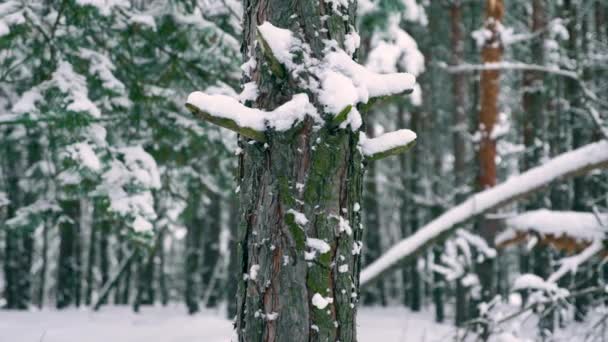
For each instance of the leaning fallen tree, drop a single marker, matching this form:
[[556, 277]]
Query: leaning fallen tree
[[566, 165]]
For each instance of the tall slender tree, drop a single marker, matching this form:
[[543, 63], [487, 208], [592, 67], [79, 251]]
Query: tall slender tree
[[491, 52]]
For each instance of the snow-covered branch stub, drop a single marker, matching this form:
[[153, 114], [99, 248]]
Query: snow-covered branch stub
[[388, 144], [227, 112]]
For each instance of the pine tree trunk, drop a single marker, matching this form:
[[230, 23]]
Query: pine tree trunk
[[162, 276], [68, 263], [459, 120], [488, 115], [91, 264], [125, 291], [415, 290], [438, 287], [373, 294], [275, 299], [533, 133], [234, 274], [403, 206], [211, 261], [578, 46], [105, 227], [192, 258], [459, 116], [44, 264], [12, 271]]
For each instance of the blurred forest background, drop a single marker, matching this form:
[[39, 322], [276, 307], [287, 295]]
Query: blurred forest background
[[111, 193]]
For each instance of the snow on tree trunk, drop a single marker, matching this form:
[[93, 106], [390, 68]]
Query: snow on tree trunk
[[302, 155]]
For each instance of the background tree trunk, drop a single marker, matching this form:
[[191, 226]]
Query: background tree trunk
[[373, 229], [69, 260], [488, 115], [460, 129]]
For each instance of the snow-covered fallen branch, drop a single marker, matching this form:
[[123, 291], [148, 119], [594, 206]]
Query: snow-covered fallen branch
[[569, 164]]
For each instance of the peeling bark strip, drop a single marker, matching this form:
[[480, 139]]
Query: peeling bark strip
[[303, 153]]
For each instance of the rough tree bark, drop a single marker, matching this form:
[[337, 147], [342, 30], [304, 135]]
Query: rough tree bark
[[300, 187], [277, 304]]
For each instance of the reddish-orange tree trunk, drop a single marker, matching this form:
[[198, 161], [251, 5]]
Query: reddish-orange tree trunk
[[490, 90], [488, 114]]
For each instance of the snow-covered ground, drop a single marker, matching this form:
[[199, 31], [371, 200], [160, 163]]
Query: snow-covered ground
[[172, 324]]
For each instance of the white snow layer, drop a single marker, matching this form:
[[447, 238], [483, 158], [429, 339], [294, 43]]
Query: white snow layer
[[141, 225], [253, 272], [586, 157], [317, 244], [300, 218], [386, 141], [104, 6], [343, 83], [280, 41], [352, 41], [321, 302], [85, 156], [368, 84]]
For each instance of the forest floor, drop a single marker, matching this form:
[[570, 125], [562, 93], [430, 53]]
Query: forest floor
[[172, 324]]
